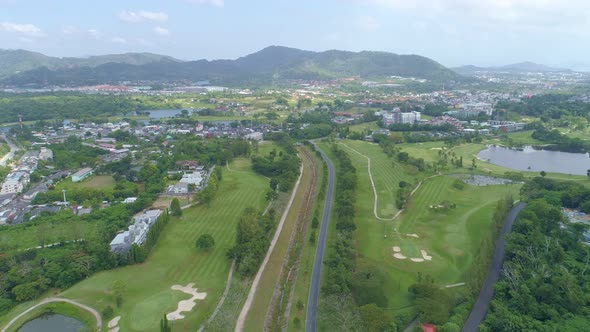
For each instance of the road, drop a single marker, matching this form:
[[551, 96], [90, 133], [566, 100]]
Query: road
[[13, 148], [480, 308], [57, 299], [314, 289]]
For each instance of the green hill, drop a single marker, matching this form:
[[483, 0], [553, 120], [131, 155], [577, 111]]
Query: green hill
[[263, 67], [16, 61]]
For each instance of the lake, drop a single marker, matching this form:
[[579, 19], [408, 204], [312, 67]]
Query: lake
[[53, 323], [530, 159], [161, 114]]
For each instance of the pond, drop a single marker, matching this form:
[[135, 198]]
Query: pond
[[161, 114], [53, 323], [535, 160]]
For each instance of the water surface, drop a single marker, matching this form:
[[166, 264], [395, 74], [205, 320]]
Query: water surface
[[530, 159], [53, 323]]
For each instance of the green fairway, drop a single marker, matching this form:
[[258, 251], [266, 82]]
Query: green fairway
[[450, 236], [176, 261], [386, 173]]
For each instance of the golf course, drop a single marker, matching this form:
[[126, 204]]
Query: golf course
[[426, 238], [175, 260]]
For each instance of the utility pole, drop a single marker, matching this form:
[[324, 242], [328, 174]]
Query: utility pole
[[65, 201]]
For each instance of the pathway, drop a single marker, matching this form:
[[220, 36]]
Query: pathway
[[314, 288], [480, 308], [57, 299], [254, 288]]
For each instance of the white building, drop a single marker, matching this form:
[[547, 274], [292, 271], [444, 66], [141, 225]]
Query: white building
[[137, 232], [15, 182], [82, 174]]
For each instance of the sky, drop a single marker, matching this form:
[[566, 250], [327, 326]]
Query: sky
[[452, 32]]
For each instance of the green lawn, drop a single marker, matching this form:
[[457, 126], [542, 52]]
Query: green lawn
[[175, 260]]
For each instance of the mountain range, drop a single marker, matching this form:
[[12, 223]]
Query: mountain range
[[269, 65], [521, 67]]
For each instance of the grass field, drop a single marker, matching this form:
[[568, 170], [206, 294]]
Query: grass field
[[364, 126], [176, 260], [99, 182], [451, 237], [29, 235]]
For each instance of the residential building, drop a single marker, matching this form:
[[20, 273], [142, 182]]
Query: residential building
[[15, 182]]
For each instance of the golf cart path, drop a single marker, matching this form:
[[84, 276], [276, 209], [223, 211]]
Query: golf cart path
[[254, 287], [480, 308], [57, 299], [373, 185]]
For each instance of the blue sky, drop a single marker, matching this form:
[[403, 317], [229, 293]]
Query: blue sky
[[453, 32]]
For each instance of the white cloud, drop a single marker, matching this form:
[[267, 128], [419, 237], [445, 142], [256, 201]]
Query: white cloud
[[94, 33], [367, 23], [28, 30], [69, 30], [161, 31], [537, 13], [142, 16], [144, 42], [216, 3], [118, 40]]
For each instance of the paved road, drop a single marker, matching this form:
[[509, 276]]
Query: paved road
[[13, 148], [57, 299], [480, 308], [314, 289]]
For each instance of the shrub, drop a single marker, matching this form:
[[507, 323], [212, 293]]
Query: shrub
[[205, 242]]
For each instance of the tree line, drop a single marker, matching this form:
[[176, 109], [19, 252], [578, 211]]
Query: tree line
[[545, 284]]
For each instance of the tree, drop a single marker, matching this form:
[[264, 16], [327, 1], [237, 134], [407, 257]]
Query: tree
[[119, 288], [543, 173], [205, 242], [588, 173], [164, 327], [175, 207], [374, 317]]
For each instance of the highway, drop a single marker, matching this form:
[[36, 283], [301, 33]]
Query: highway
[[480, 308], [314, 289]]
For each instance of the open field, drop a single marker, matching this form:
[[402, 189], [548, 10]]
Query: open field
[[30, 235], [98, 182], [364, 126], [176, 261]]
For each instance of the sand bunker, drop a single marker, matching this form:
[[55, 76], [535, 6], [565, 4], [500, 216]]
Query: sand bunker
[[413, 235], [425, 255], [113, 324], [185, 305]]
